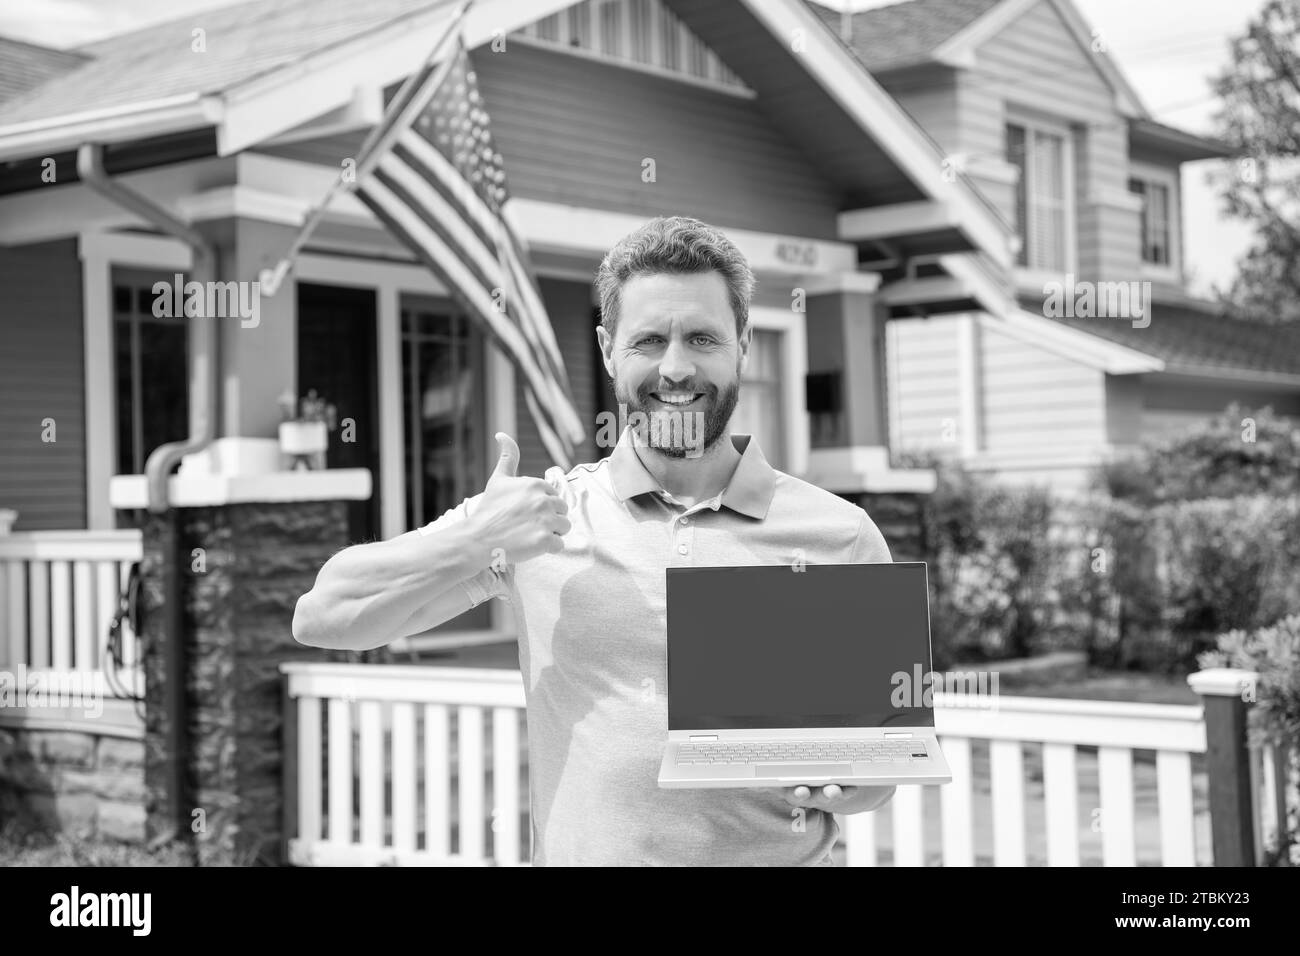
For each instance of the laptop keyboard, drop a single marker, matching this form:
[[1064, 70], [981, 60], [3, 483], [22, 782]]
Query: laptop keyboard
[[796, 751]]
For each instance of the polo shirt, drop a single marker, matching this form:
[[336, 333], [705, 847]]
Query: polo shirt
[[591, 625]]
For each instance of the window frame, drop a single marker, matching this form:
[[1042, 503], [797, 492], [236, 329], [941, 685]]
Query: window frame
[[1153, 174], [793, 364], [1035, 125]]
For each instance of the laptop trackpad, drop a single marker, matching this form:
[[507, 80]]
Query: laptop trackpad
[[803, 771]]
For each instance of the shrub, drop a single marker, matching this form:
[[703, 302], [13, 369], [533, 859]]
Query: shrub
[[1179, 574], [990, 555], [1214, 459]]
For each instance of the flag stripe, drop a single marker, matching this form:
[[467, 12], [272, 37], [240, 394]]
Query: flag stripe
[[453, 271], [430, 203], [435, 168], [432, 176], [423, 201]]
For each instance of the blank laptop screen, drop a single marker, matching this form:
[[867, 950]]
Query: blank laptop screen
[[832, 645]]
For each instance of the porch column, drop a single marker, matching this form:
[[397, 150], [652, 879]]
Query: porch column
[[258, 356], [850, 436]]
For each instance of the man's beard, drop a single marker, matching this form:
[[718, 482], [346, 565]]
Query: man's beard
[[671, 433]]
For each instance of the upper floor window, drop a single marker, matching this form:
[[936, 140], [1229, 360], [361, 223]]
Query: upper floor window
[[1156, 220], [1044, 191]]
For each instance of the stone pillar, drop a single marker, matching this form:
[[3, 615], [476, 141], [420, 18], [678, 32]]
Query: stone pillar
[[248, 548]]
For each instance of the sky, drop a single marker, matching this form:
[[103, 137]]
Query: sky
[[1168, 49]]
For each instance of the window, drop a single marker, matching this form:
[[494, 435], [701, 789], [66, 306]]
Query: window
[[760, 411], [1154, 220], [151, 368], [443, 402], [1043, 195]]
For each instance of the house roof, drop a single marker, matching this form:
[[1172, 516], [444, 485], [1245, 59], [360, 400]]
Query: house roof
[[24, 66], [1203, 340], [907, 33], [242, 41]]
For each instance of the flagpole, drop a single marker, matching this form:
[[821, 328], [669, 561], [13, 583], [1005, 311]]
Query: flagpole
[[270, 279]]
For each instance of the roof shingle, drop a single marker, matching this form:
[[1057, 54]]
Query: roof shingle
[[1188, 339], [903, 34], [241, 41]]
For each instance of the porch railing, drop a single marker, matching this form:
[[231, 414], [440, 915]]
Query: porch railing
[[427, 765], [58, 593]]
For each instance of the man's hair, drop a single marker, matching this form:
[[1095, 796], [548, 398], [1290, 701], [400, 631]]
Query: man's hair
[[673, 244]]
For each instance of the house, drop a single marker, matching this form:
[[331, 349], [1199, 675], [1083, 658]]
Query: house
[[1024, 98], [224, 129]]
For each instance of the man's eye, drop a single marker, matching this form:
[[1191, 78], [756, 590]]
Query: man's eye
[[648, 340], [703, 340]]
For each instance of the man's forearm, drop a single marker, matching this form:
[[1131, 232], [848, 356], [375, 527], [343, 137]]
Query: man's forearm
[[365, 594]]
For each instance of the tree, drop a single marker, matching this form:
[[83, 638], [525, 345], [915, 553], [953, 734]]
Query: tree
[[1260, 116]]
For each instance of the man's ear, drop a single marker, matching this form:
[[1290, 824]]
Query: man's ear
[[606, 343], [746, 337]]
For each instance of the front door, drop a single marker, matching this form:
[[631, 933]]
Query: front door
[[337, 356]]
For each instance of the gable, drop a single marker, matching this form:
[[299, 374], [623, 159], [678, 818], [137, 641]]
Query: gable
[[1038, 60], [639, 33]]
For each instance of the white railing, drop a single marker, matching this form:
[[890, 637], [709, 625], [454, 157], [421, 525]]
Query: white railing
[[357, 729], [58, 593], [352, 729], [1069, 799]]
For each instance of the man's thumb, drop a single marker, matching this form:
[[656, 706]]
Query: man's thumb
[[508, 463]]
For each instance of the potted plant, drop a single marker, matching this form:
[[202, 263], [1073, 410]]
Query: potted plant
[[304, 435]]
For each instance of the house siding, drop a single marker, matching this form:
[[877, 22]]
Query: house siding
[[1169, 407], [922, 376], [1037, 402], [1034, 404], [576, 131], [42, 376]]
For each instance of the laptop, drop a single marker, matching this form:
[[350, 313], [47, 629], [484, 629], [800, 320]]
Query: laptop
[[779, 677]]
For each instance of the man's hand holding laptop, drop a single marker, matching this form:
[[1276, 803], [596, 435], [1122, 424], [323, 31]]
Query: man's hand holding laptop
[[834, 798]]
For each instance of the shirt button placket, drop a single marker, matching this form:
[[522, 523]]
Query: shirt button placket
[[684, 540]]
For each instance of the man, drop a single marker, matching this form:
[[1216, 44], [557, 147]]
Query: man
[[582, 558]]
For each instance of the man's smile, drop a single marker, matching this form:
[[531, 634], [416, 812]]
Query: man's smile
[[677, 399]]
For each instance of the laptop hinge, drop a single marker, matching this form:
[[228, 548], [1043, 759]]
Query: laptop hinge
[[704, 736], [888, 734]]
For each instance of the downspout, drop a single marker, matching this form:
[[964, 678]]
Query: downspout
[[203, 361], [203, 341]]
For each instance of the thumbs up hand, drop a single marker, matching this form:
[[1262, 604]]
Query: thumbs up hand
[[518, 518]]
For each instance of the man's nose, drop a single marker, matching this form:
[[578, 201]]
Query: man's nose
[[676, 364]]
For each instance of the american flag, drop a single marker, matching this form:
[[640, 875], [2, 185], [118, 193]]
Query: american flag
[[434, 178]]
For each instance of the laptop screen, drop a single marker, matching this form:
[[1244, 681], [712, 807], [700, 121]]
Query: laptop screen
[[832, 645]]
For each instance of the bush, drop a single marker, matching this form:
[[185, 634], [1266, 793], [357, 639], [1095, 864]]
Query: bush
[[1215, 459], [990, 556], [1273, 653], [1178, 574]]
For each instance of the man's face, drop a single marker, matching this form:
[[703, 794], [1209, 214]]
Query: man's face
[[675, 358]]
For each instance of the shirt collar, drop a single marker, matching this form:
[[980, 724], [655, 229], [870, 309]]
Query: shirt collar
[[749, 492]]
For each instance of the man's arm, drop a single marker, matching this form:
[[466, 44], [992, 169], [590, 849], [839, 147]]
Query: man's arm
[[369, 595]]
